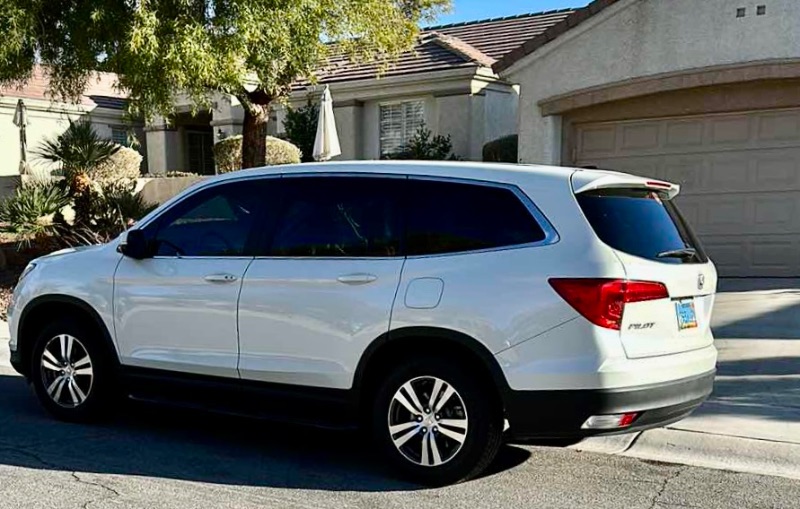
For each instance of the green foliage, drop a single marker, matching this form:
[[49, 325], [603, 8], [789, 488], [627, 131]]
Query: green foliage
[[78, 149], [501, 150], [124, 164], [301, 128], [160, 48], [425, 146], [228, 153], [34, 210]]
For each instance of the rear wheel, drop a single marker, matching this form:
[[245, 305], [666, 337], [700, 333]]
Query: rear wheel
[[70, 371], [437, 424]]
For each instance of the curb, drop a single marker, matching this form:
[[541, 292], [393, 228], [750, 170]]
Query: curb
[[719, 452]]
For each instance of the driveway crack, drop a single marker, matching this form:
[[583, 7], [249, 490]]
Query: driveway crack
[[657, 497], [112, 493]]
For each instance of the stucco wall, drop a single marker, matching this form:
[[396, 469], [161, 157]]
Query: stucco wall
[[45, 120], [636, 38]]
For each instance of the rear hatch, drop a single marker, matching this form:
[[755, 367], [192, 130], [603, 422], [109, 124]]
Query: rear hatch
[[638, 219]]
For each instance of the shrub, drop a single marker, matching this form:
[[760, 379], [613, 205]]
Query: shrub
[[124, 164], [424, 146], [501, 150], [34, 210], [114, 206], [228, 153], [301, 128]]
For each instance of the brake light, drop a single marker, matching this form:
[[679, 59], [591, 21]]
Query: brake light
[[602, 301], [655, 183]]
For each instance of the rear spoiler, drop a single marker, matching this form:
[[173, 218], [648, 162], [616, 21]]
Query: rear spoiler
[[592, 180]]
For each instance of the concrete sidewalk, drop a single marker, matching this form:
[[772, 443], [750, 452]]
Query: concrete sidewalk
[[751, 423]]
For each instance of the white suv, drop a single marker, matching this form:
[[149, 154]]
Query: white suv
[[431, 303]]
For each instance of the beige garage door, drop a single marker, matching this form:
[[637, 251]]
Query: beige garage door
[[740, 178]]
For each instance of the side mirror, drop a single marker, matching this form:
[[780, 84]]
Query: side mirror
[[136, 245]]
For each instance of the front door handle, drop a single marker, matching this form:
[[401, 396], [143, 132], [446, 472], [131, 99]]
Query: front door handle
[[220, 278], [357, 279]]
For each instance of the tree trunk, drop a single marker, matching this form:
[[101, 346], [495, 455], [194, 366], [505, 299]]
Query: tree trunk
[[254, 135]]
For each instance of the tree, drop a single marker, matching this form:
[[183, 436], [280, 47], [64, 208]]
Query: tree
[[301, 128], [251, 49]]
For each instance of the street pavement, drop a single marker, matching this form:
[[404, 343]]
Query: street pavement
[[149, 457]]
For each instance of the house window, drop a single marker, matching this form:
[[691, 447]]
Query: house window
[[120, 136], [399, 122]]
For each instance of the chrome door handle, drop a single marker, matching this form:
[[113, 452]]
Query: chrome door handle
[[220, 278], [357, 279]]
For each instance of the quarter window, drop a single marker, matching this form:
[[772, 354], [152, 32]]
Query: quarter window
[[448, 217], [216, 222], [399, 123], [339, 217]]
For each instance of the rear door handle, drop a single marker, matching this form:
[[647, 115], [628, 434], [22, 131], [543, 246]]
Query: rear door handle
[[357, 279], [220, 278]]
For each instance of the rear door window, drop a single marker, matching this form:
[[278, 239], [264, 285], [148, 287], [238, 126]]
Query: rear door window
[[451, 217], [642, 223], [339, 217]]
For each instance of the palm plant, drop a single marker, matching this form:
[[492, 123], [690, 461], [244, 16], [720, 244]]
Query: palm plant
[[33, 211], [77, 150]]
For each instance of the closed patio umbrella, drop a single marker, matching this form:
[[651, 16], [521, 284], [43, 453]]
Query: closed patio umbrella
[[21, 121], [326, 144]]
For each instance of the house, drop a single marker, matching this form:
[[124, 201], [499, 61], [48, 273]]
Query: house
[[701, 93], [446, 83], [101, 104]]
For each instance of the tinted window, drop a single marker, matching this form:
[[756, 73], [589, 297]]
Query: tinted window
[[447, 217], [641, 223], [215, 222], [339, 217]]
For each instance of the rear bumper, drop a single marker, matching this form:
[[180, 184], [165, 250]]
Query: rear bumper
[[561, 413]]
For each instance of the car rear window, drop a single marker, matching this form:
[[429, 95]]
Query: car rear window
[[642, 223]]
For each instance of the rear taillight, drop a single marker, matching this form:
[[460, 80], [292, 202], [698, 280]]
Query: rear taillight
[[602, 301]]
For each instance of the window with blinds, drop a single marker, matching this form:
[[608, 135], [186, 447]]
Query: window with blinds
[[120, 136], [399, 122]]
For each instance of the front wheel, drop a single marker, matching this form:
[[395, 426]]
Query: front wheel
[[70, 371], [435, 423]]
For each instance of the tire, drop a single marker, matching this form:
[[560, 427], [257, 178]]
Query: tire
[[463, 430], [75, 387]]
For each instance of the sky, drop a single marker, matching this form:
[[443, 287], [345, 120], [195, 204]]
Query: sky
[[469, 10]]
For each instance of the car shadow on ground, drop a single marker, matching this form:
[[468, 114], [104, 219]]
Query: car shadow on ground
[[153, 441]]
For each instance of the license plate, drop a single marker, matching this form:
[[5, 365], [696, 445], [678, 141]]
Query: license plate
[[687, 318]]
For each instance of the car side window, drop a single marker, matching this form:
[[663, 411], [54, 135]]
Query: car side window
[[218, 221], [450, 217], [334, 216]]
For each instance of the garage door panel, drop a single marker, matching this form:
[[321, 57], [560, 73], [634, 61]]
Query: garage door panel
[[783, 126], [739, 176]]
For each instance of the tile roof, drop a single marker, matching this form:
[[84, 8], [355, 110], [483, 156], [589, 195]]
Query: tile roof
[[444, 47], [566, 24], [99, 92]]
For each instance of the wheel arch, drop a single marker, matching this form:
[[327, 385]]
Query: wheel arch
[[435, 340], [41, 310]]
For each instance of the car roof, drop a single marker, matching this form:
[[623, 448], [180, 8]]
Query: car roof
[[492, 172]]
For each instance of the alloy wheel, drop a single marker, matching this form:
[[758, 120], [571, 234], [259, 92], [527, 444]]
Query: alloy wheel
[[428, 421], [66, 370]]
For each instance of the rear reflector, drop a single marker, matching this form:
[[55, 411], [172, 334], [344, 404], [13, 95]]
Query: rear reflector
[[610, 421], [602, 301]]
